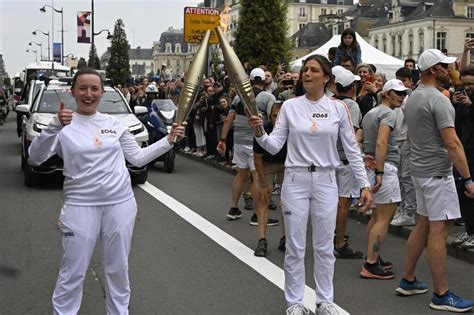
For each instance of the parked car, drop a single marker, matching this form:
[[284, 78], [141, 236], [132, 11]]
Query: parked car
[[46, 105]]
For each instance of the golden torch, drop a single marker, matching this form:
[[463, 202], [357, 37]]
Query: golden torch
[[240, 79], [193, 80]]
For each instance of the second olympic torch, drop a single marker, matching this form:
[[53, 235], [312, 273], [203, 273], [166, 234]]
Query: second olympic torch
[[193, 80], [240, 79]]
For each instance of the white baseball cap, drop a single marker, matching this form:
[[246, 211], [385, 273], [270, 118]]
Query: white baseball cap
[[344, 77], [431, 57], [337, 69], [257, 72], [394, 84]]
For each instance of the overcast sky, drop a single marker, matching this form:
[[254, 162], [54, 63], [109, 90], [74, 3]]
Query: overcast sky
[[144, 21]]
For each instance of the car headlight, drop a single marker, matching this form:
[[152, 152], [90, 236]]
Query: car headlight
[[39, 127], [134, 130]]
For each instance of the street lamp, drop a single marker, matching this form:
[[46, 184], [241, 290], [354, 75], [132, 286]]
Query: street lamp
[[34, 51], [109, 36], [41, 48], [47, 34], [43, 9]]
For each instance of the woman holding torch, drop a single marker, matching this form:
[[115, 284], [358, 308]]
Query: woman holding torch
[[311, 124]]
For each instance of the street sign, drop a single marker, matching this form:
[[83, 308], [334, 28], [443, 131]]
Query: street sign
[[197, 21]]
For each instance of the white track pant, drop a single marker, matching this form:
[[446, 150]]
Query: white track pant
[[80, 227], [307, 194]]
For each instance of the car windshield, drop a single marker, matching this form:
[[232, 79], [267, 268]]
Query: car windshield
[[111, 102], [163, 105]]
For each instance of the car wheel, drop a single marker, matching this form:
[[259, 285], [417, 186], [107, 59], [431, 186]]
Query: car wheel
[[30, 178], [140, 178], [169, 161]]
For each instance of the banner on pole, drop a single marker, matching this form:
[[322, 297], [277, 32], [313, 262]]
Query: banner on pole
[[83, 27], [57, 52]]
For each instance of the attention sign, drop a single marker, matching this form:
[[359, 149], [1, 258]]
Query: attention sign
[[197, 21]]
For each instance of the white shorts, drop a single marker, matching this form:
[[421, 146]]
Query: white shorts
[[243, 156], [437, 198], [347, 184], [389, 192]]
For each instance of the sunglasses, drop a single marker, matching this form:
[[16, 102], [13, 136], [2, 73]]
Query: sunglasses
[[400, 93]]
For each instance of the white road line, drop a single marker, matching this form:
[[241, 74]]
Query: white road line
[[262, 265]]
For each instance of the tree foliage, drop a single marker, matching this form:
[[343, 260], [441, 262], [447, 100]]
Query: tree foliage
[[94, 62], [261, 35], [118, 68], [7, 81], [81, 63]]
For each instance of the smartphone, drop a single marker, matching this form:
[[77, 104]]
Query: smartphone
[[288, 82], [415, 76], [369, 79]]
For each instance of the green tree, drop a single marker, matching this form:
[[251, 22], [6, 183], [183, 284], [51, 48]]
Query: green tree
[[118, 68], [81, 63], [7, 81], [261, 35], [94, 61]]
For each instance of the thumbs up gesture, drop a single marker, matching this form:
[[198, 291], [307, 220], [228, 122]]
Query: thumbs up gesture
[[64, 114]]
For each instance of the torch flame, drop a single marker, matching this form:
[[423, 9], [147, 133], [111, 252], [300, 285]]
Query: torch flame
[[225, 19]]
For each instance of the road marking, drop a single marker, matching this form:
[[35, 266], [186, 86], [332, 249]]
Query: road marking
[[262, 265]]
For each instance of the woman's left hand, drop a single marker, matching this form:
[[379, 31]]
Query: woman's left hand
[[365, 200], [177, 131]]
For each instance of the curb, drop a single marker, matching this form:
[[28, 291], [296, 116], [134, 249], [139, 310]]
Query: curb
[[466, 255]]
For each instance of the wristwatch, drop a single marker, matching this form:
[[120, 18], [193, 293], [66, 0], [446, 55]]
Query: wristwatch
[[366, 186], [467, 181]]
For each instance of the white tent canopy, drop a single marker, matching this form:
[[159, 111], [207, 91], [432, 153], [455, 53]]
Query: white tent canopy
[[384, 62]]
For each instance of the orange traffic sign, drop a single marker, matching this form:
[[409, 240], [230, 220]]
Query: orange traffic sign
[[197, 21]]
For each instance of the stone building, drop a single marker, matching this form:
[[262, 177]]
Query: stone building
[[412, 26]]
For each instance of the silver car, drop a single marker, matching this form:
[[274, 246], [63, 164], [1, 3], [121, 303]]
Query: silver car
[[46, 105]]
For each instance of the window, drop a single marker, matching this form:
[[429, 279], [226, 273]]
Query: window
[[469, 35], [410, 44], [340, 11], [302, 12], [340, 2], [441, 40], [177, 48], [302, 25], [168, 47], [168, 63], [324, 1], [178, 63], [470, 12], [323, 11], [331, 12], [384, 44], [400, 45], [394, 44], [422, 42], [376, 43]]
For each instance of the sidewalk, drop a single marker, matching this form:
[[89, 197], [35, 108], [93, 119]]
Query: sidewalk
[[401, 231]]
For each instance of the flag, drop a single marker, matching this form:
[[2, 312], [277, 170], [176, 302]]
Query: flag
[[83, 27], [57, 52]]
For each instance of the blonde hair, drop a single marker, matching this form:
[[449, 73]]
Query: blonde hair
[[364, 65]]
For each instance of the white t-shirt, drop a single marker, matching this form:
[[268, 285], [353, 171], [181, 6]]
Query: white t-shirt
[[312, 129], [94, 149]]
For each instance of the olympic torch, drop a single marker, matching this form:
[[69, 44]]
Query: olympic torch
[[193, 80], [240, 79]]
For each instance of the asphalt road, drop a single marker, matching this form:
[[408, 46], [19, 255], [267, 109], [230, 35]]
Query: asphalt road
[[186, 257]]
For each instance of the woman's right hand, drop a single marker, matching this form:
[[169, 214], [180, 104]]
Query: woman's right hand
[[255, 121], [64, 114], [370, 87]]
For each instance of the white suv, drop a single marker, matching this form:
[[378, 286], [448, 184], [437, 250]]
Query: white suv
[[46, 105]]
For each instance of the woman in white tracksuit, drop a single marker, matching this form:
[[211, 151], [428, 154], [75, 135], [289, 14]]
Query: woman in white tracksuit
[[311, 125], [98, 197]]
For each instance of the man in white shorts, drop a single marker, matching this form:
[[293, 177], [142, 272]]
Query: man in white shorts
[[434, 148]]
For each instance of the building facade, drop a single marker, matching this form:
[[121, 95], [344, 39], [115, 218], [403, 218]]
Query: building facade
[[413, 26], [141, 62], [3, 73]]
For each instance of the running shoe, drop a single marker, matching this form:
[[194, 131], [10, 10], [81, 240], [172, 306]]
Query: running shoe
[[414, 287], [460, 239], [347, 252], [261, 250], [469, 243], [248, 203], [297, 309], [451, 302], [385, 264], [282, 245], [326, 308], [272, 205], [270, 222], [234, 214], [276, 189], [376, 271]]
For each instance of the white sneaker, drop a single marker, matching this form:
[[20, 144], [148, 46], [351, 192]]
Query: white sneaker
[[297, 309], [187, 149], [461, 239], [469, 243], [326, 308], [404, 220]]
